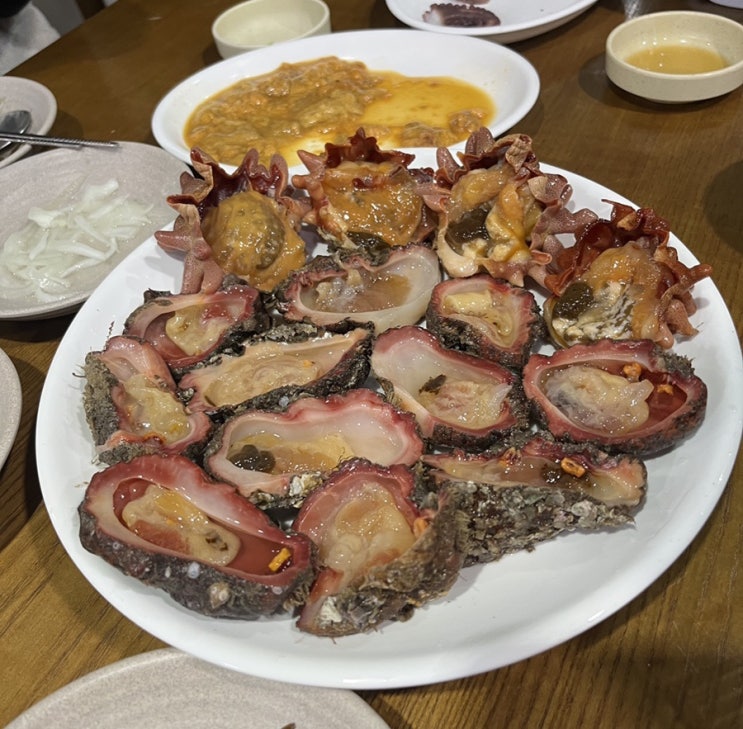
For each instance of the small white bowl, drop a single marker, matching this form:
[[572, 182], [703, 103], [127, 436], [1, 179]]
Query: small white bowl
[[260, 23], [683, 28]]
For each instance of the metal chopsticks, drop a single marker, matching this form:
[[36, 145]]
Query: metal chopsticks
[[44, 141]]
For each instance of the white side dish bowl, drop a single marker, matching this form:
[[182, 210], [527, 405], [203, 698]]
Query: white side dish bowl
[[685, 29], [22, 93], [260, 23]]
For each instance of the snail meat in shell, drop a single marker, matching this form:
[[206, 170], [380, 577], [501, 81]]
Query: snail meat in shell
[[622, 280], [161, 520], [484, 316], [380, 556], [458, 399], [132, 405], [366, 198], [393, 292], [277, 367], [624, 396], [279, 457], [187, 328]]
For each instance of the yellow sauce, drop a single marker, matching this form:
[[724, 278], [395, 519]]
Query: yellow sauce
[[306, 105], [677, 59]]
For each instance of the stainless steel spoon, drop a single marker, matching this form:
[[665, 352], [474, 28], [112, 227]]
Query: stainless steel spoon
[[14, 122]]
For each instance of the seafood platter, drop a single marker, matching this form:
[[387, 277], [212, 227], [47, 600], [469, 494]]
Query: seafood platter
[[389, 419]]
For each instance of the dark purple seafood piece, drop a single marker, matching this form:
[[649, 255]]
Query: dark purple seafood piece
[[161, 520], [624, 396], [458, 399], [392, 292], [279, 457], [486, 317], [187, 328], [132, 406], [277, 367], [460, 15], [381, 557]]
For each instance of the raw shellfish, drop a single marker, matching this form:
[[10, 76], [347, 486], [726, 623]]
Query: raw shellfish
[[486, 317], [457, 399], [392, 292], [161, 520], [628, 396], [381, 557], [281, 456]]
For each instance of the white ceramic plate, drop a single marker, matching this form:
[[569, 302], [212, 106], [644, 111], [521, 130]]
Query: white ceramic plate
[[10, 405], [519, 19], [507, 77], [22, 93], [145, 174], [166, 688], [495, 614]]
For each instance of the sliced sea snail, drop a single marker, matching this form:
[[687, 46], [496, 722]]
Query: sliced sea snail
[[161, 520], [187, 328], [277, 367], [486, 317], [458, 399], [381, 557], [517, 496], [279, 457], [392, 292], [624, 396], [132, 406]]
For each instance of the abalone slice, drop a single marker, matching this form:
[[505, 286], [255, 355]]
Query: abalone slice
[[187, 328], [458, 399], [160, 520], [624, 396], [381, 557], [390, 293], [486, 317], [281, 456], [280, 366], [132, 405]]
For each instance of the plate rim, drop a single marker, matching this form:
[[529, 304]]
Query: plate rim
[[12, 405], [170, 662], [233, 70], [582, 613]]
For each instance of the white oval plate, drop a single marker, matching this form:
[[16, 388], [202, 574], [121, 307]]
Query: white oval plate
[[507, 77], [22, 93], [145, 173], [519, 20], [10, 405], [166, 688], [495, 614]]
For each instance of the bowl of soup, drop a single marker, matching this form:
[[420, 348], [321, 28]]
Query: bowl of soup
[[676, 56]]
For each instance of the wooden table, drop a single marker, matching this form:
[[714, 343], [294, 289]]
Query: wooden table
[[673, 657]]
